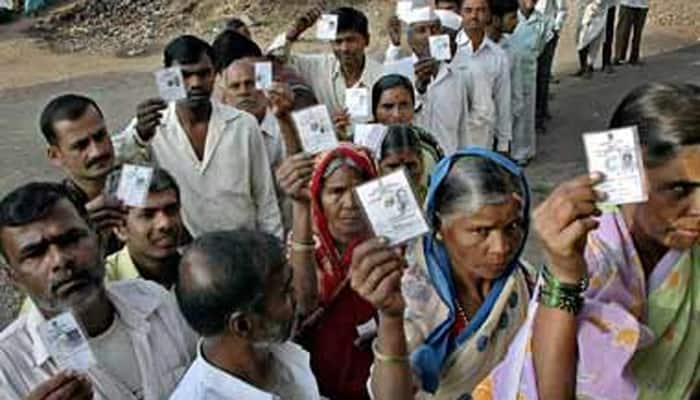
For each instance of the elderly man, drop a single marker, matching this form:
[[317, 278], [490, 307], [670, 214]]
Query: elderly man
[[215, 152], [134, 329], [236, 289]]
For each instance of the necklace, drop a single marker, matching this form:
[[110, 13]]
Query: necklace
[[462, 313]]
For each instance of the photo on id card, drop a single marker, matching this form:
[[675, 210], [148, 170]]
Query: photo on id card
[[327, 27], [66, 342], [391, 208], [315, 129], [617, 154], [440, 47], [134, 183]]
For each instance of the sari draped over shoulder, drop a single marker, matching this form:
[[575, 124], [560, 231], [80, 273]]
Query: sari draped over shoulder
[[330, 334], [449, 366], [637, 337]]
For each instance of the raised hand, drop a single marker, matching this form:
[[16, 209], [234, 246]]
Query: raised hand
[[293, 176], [425, 69], [306, 21], [375, 275], [64, 386], [148, 117], [563, 222], [281, 99]]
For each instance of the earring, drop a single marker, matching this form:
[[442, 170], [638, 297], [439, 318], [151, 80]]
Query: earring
[[438, 236]]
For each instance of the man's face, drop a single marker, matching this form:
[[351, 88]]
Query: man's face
[[199, 80], [153, 232], [83, 147], [240, 91], [509, 22], [349, 49], [277, 323], [57, 260], [419, 34], [527, 5], [447, 5], [476, 15]]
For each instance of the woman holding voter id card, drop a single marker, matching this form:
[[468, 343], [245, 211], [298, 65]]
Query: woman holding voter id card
[[336, 333], [449, 318], [633, 333]]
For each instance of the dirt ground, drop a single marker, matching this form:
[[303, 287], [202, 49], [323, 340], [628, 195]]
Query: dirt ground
[[33, 74]]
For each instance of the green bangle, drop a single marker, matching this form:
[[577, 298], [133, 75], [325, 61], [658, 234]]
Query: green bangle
[[564, 296]]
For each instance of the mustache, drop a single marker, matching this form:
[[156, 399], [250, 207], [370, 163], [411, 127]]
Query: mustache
[[98, 160], [75, 276]]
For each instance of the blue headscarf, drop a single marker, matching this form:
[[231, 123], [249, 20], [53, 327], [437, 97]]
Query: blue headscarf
[[428, 359]]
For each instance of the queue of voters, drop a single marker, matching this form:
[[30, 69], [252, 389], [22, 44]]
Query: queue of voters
[[282, 225]]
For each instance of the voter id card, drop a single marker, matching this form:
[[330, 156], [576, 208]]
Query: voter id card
[[315, 129], [440, 47], [370, 136], [65, 341], [134, 184], [617, 154], [171, 84], [357, 102], [263, 75], [392, 208], [327, 27]]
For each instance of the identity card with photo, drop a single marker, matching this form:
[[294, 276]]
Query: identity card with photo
[[440, 47], [171, 84], [357, 102], [617, 154], [315, 129], [65, 341], [327, 27], [263, 75], [134, 183], [392, 209], [370, 136]]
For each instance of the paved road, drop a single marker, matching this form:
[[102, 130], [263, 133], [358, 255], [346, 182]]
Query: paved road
[[578, 106]]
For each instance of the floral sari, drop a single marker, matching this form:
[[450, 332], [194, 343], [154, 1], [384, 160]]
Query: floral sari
[[449, 365], [637, 337]]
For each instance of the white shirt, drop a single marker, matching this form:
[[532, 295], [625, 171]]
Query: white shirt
[[322, 72], [635, 3], [554, 10], [272, 135], [231, 187], [205, 381], [491, 71], [163, 343]]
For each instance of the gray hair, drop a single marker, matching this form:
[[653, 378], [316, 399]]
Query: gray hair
[[474, 182]]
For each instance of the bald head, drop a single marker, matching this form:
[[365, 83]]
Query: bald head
[[225, 272]]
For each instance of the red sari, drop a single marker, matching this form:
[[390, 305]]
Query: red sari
[[330, 334]]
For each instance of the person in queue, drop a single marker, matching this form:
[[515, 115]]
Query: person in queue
[[451, 316], [323, 188], [630, 334]]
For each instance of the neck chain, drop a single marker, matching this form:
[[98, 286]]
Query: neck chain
[[461, 313]]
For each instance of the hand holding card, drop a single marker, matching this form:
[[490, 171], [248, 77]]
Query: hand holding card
[[392, 208], [65, 341], [315, 129], [617, 155], [171, 84]]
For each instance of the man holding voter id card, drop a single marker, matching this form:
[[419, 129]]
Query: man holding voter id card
[[82, 340], [215, 152]]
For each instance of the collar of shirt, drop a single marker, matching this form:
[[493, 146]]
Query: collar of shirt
[[269, 125], [465, 43], [226, 386], [133, 310], [336, 73], [221, 116]]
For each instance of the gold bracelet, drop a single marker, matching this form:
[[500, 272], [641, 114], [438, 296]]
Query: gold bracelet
[[299, 246], [387, 358]]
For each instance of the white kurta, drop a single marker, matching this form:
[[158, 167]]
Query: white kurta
[[491, 70], [528, 39], [590, 23]]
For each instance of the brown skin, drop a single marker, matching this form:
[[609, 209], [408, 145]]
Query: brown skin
[[395, 106], [476, 15], [526, 6], [419, 34], [193, 112], [234, 350], [152, 233], [480, 246], [345, 220], [64, 386], [406, 158], [447, 5], [349, 48], [240, 89], [393, 27]]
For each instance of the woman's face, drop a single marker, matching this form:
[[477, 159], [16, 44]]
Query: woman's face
[[407, 158], [395, 106], [481, 245], [671, 216], [342, 211]]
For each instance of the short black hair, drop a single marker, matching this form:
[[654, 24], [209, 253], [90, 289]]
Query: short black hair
[[186, 49], [65, 107], [32, 202], [399, 137], [500, 8], [388, 82], [351, 19], [458, 3], [162, 181], [230, 46], [234, 23], [239, 263]]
